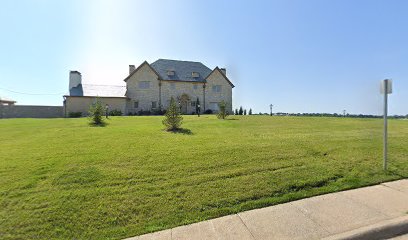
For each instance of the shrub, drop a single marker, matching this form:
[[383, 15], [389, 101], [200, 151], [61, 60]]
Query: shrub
[[208, 111], [223, 113], [144, 113], [96, 112], [244, 111], [173, 119], [115, 112], [75, 114], [159, 112], [236, 111]]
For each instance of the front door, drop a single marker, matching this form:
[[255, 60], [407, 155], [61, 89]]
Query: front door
[[184, 100], [184, 105]]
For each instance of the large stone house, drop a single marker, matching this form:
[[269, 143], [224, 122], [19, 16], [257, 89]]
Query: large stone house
[[150, 87]]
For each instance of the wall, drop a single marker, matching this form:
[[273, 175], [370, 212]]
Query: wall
[[145, 97], [216, 78], [28, 111], [180, 89], [82, 104]]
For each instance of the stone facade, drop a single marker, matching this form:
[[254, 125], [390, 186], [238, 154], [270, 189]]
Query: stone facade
[[143, 97]]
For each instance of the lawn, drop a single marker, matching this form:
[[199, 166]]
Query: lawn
[[60, 178]]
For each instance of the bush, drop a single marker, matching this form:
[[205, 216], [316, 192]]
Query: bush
[[159, 112], [96, 112], [208, 111], [75, 114], [115, 112], [173, 119], [144, 113]]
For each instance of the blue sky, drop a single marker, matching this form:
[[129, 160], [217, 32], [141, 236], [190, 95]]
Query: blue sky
[[301, 56]]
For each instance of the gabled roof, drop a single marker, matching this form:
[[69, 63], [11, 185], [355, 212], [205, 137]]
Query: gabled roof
[[137, 69], [6, 100], [182, 70], [222, 73], [91, 90]]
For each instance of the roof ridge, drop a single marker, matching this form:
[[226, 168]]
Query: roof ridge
[[177, 60], [103, 85]]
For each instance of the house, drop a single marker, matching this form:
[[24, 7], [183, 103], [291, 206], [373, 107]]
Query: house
[[6, 101], [149, 87]]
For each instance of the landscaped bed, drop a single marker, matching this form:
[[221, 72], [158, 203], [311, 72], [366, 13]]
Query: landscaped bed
[[61, 178]]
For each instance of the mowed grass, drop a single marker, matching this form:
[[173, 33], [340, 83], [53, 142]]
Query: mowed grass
[[61, 178]]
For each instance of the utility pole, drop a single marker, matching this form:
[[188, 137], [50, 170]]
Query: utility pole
[[271, 108]]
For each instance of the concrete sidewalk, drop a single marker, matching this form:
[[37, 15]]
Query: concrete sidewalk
[[340, 215]]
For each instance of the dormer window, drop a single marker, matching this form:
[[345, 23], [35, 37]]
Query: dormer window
[[195, 74], [170, 72]]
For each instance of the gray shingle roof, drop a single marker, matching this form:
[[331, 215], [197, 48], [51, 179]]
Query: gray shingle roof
[[182, 70], [98, 90]]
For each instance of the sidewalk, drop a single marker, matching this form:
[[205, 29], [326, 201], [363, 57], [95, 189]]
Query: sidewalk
[[340, 215]]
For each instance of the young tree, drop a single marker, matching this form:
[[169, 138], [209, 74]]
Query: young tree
[[96, 112], [236, 111], [244, 111], [250, 111], [172, 119], [241, 111], [223, 113]]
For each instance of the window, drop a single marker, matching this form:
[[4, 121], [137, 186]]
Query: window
[[136, 104], [195, 86], [144, 84], [195, 74], [216, 88], [154, 104], [172, 85], [193, 103]]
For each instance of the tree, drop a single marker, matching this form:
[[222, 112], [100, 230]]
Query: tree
[[96, 112], [222, 113], [241, 111], [236, 111], [250, 111], [244, 111], [173, 119]]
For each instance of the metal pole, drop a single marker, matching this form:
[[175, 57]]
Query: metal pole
[[385, 121]]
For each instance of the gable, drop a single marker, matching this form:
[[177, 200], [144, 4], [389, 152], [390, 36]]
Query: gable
[[142, 66], [217, 71]]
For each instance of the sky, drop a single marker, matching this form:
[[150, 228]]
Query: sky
[[300, 56]]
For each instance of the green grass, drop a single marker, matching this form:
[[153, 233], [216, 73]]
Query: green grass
[[61, 178]]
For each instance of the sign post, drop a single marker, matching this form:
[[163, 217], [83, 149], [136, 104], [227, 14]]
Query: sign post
[[386, 88]]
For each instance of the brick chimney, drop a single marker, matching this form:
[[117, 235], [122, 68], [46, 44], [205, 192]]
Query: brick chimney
[[223, 70], [131, 68]]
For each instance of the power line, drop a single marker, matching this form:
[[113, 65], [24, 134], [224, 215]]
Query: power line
[[24, 93]]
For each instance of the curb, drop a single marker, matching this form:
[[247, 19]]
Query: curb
[[382, 230]]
